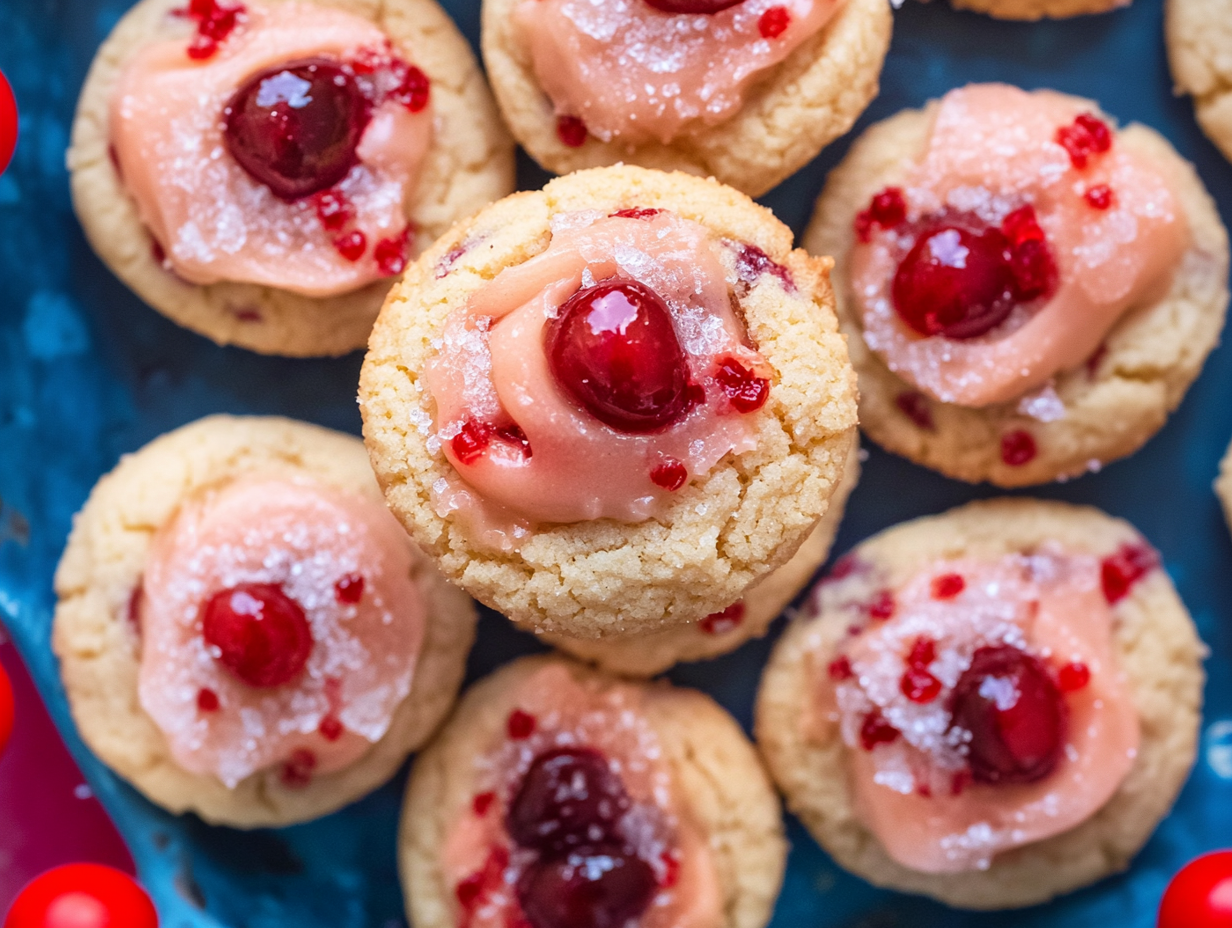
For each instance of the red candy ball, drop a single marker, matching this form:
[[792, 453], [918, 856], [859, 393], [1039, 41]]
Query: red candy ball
[[1015, 713], [1200, 896], [82, 896], [612, 347], [261, 634], [6, 709], [295, 128]]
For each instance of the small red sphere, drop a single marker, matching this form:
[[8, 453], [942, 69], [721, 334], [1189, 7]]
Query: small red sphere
[[774, 22], [260, 633], [7, 709], [571, 130], [1200, 895], [82, 896], [8, 123]]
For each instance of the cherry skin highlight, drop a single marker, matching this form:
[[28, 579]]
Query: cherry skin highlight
[[594, 887], [82, 896], [954, 282], [569, 797], [1200, 895], [295, 128], [260, 634], [1015, 713], [613, 349]]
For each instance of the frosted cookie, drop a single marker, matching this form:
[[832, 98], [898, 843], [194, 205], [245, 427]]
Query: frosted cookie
[[258, 171], [612, 405], [1038, 9], [1027, 317], [722, 632], [1199, 34], [557, 798], [746, 91], [245, 632], [991, 707]]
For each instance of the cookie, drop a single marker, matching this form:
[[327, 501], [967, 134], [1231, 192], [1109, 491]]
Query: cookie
[[468, 164], [474, 840], [582, 500], [1032, 10], [1155, 657], [724, 631], [793, 110], [1198, 33], [105, 584], [1092, 411]]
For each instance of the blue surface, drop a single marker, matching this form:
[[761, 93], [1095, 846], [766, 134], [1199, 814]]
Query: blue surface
[[88, 373]]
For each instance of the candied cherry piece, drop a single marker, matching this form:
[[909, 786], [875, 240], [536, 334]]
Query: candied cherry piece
[[1015, 713], [692, 7], [1200, 895], [295, 128], [604, 886], [613, 348], [82, 896], [954, 282], [568, 798], [260, 634], [1120, 571]]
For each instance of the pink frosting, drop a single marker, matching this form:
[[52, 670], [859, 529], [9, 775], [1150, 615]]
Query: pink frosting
[[213, 221], [491, 366], [305, 537], [993, 149], [911, 792], [613, 722], [635, 74]]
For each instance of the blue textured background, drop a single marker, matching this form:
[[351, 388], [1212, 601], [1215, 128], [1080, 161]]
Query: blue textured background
[[88, 373]]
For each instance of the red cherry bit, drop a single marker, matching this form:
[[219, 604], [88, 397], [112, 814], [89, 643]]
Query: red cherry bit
[[670, 475], [297, 770], [840, 669], [521, 725], [1200, 895], [718, 623], [881, 607], [1099, 196], [331, 728], [947, 586], [207, 700], [482, 802], [1017, 448], [774, 22], [916, 407], [82, 896], [352, 245], [875, 730], [1120, 571], [1073, 677], [571, 130], [350, 589]]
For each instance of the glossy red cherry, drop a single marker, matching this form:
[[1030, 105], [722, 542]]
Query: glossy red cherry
[[1200, 895], [954, 282], [7, 709], [1015, 713], [8, 123], [693, 7], [82, 896], [595, 887], [612, 347], [261, 634], [569, 797], [295, 128]]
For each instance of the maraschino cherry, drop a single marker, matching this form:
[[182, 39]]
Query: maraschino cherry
[[568, 797], [1200, 895], [1015, 713], [296, 127], [613, 348], [6, 709], [593, 887], [82, 896], [258, 632], [693, 7]]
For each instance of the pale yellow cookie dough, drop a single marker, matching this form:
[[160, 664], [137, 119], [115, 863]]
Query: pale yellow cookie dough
[[1158, 649], [469, 164], [98, 646], [803, 104], [1038, 9], [1199, 37], [599, 578], [1112, 407], [652, 653], [718, 780]]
